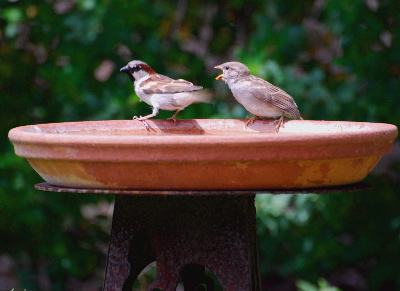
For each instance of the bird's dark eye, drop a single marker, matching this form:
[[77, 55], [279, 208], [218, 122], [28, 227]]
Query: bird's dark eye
[[136, 68], [226, 68]]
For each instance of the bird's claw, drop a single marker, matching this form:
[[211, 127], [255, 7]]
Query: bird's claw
[[250, 120], [279, 123], [173, 119], [140, 118], [338, 128]]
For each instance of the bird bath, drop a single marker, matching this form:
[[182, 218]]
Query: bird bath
[[185, 191], [203, 154]]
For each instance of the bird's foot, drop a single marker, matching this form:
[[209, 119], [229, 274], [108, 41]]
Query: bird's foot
[[173, 119], [250, 120], [338, 128], [173, 116], [143, 120], [279, 123]]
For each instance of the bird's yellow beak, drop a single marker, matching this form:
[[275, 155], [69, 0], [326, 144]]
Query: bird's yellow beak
[[220, 76]]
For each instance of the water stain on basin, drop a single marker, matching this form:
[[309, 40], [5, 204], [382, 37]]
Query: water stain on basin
[[203, 154]]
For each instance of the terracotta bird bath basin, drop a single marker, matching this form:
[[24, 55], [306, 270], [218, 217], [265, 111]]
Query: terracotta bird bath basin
[[203, 154]]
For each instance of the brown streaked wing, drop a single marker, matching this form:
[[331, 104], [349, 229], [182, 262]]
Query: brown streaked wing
[[275, 96], [167, 85]]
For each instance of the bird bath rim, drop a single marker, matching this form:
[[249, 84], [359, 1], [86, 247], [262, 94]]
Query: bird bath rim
[[202, 131], [218, 154]]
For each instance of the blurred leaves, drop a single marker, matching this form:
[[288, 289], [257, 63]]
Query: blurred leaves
[[323, 285], [340, 60]]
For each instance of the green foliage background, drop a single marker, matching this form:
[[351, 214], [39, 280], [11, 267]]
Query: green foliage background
[[340, 60]]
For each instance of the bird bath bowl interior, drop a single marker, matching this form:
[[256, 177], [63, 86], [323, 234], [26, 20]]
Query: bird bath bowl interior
[[203, 154]]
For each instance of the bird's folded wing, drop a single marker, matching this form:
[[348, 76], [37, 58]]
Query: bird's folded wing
[[275, 96], [161, 84]]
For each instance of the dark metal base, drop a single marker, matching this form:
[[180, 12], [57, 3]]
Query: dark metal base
[[361, 186], [184, 234]]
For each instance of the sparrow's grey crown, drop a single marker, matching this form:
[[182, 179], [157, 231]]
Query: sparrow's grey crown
[[232, 72], [239, 67]]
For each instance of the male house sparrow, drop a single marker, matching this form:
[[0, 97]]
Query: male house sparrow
[[257, 95], [162, 92]]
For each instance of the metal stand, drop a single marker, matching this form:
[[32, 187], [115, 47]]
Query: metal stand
[[186, 232]]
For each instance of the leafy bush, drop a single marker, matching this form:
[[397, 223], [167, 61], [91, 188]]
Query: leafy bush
[[338, 59]]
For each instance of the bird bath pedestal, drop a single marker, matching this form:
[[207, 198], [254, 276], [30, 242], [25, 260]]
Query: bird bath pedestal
[[185, 192]]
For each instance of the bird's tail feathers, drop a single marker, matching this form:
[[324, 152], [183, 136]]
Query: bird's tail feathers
[[203, 96]]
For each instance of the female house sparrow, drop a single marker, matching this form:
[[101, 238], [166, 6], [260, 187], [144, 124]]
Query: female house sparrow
[[257, 95], [162, 92]]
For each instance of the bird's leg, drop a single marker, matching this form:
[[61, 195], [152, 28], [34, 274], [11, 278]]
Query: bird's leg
[[143, 118], [173, 116], [154, 113], [279, 122], [251, 120]]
